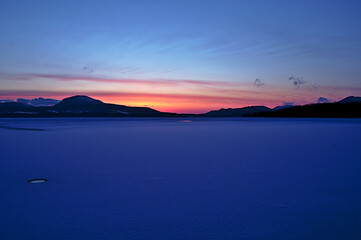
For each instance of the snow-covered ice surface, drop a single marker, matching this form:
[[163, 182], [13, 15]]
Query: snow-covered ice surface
[[172, 179]]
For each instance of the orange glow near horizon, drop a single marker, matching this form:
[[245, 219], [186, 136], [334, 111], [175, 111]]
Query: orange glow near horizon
[[179, 96], [166, 95], [167, 102], [184, 103]]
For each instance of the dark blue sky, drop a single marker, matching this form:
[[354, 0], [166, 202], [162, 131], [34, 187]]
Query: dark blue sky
[[57, 48]]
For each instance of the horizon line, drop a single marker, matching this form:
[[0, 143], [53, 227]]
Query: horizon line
[[87, 95]]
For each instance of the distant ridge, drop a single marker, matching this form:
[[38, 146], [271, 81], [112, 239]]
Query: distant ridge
[[351, 99], [84, 106], [78, 106], [15, 107], [6, 100], [237, 112], [38, 102], [349, 107], [79, 103]]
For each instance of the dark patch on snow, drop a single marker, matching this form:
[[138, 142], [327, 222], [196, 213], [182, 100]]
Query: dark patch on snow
[[37, 180]]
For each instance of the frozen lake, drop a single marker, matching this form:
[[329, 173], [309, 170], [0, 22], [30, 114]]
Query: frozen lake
[[172, 179]]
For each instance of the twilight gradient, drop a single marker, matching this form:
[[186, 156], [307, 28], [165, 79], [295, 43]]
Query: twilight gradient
[[181, 56]]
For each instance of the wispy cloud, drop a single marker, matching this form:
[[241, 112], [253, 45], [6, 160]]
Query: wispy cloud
[[68, 77], [88, 69], [297, 81], [258, 82]]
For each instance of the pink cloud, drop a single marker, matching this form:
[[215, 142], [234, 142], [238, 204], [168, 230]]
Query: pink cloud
[[66, 77]]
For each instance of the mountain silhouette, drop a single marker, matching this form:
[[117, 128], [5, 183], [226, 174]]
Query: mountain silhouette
[[237, 112], [78, 106], [349, 107], [351, 99], [9, 107], [38, 102], [79, 103], [84, 106]]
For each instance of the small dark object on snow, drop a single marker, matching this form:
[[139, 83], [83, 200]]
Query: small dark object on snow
[[38, 180]]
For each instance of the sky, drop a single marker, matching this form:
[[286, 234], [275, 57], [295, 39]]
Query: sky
[[181, 56]]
